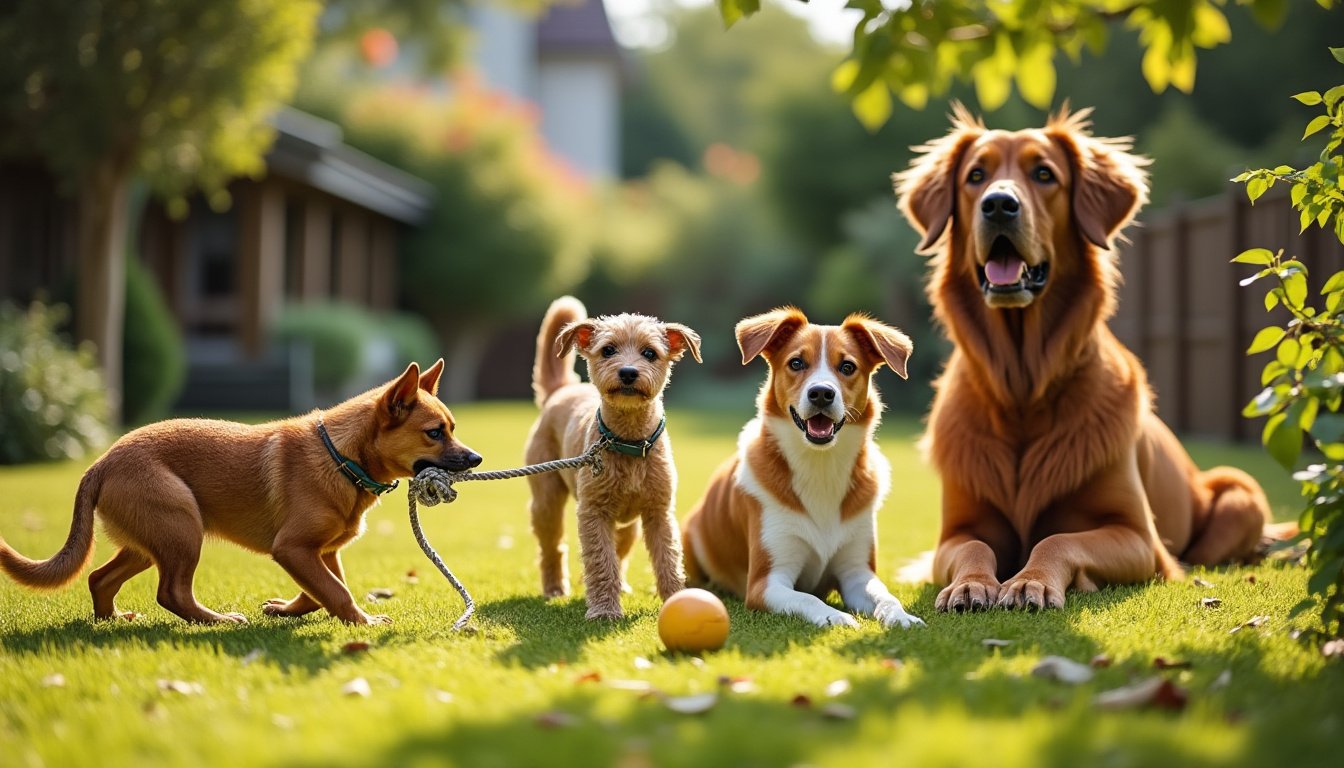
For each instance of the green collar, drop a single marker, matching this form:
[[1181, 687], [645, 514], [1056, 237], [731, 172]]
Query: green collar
[[350, 468], [638, 448]]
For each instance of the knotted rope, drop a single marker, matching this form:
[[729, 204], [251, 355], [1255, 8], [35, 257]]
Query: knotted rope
[[435, 486]]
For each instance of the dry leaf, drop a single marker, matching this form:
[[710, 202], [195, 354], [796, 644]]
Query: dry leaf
[[1333, 648], [691, 705], [1152, 692], [1210, 602], [412, 577], [1100, 661], [801, 700], [357, 687], [253, 655], [1250, 578], [1222, 681], [556, 720], [697, 662], [1254, 621], [379, 594], [181, 686], [443, 697], [892, 664], [1161, 662], [640, 686], [1198, 582], [991, 642], [838, 688], [837, 711], [643, 663], [737, 684], [154, 710], [591, 676], [355, 646], [1062, 669], [54, 680]]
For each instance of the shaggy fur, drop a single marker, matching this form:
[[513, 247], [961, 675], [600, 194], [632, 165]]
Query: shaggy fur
[[632, 490], [1056, 471], [792, 516], [271, 488]]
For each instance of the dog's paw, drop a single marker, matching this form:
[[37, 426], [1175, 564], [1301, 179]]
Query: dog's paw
[[1024, 591], [236, 618], [890, 613], [555, 591], [969, 593], [626, 588], [601, 613], [837, 619]]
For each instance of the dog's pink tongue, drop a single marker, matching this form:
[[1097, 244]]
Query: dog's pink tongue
[[820, 426], [1004, 271]]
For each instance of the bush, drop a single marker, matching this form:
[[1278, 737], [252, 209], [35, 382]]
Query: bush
[[52, 401], [154, 363], [337, 334], [411, 338]]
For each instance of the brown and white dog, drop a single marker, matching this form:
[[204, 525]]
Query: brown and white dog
[[793, 515], [629, 361]]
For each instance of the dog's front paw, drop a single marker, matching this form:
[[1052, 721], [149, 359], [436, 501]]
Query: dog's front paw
[[836, 619], [890, 613], [280, 607], [968, 593], [604, 613], [553, 591], [1031, 592], [367, 619]]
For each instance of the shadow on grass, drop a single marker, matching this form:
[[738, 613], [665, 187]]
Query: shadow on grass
[[550, 631]]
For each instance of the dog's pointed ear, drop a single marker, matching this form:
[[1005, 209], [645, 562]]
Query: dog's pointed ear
[[681, 339], [927, 189], [882, 342], [578, 334], [759, 333], [429, 380], [400, 396], [1110, 184]]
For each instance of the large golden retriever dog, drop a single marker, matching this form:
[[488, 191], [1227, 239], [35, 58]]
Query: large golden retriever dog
[[1056, 472]]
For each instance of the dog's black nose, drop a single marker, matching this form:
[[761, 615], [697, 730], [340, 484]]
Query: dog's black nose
[[468, 460], [628, 375], [1000, 206], [821, 395]]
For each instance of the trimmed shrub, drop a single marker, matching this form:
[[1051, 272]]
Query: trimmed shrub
[[153, 359], [338, 335], [52, 401]]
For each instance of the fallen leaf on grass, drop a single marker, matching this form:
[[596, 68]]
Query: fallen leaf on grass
[[838, 711], [891, 664], [643, 663], [1100, 661], [1198, 582], [591, 676], [1153, 692], [181, 686], [357, 687], [1211, 602], [1223, 680], [1254, 621], [1250, 578], [443, 697], [1333, 648], [1162, 662], [154, 710], [54, 680], [1062, 669], [838, 688], [802, 701], [379, 594], [556, 720], [355, 646], [737, 684], [695, 704], [639, 686], [412, 577], [253, 655], [992, 642]]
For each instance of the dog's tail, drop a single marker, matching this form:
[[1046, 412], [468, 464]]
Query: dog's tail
[[61, 568], [553, 371]]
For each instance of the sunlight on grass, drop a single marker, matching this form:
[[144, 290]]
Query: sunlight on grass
[[271, 691]]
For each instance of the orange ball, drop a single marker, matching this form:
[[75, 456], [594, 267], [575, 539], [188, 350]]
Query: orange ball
[[692, 621]]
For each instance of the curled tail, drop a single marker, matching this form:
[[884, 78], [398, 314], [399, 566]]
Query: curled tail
[[61, 568], [551, 370]]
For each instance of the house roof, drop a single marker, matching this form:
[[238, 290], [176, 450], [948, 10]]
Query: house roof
[[311, 150], [579, 26]]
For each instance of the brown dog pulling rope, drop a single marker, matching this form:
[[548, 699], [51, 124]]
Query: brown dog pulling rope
[[435, 486]]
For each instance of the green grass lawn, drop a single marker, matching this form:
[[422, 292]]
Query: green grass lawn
[[518, 690]]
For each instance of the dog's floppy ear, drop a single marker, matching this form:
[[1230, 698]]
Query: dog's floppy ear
[[927, 189], [429, 380], [1109, 182], [576, 334], [400, 396], [681, 339], [884, 343], [759, 333]]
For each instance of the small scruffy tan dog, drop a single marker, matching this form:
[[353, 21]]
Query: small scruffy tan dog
[[629, 361]]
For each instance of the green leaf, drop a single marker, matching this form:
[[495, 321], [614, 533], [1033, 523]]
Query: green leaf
[[1258, 256], [1036, 73], [1288, 352], [1316, 124], [1265, 403], [1256, 187], [1335, 283], [1283, 440], [1333, 96], [1271, 300], [1310, 98], [1338, 53], [733, 10], [1295, 289], [1329, 427], [873, 105], [1265, 339], [1325, 575]]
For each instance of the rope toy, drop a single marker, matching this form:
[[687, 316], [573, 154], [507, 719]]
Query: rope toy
[[435, 486]]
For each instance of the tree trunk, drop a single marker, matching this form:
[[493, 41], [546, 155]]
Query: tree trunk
[[462, 366], [101, 241]]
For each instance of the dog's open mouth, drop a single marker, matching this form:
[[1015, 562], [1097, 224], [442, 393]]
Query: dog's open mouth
[[1007, 274], [819, 429]]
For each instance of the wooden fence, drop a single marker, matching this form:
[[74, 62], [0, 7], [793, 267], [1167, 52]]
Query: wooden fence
[[1184, 314]]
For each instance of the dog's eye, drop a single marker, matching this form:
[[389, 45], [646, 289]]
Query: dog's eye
[[848, 368], [797, 364], [976, 176], [1043, 175], [435, 433], [649, 354], [608, 351]]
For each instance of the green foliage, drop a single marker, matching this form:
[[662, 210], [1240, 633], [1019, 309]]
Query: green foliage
[[338, 335], [154, 362], [1304, 382], [52, 402], [918, 50], [178, 90], [411, 338]]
